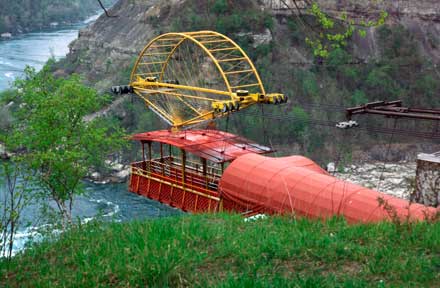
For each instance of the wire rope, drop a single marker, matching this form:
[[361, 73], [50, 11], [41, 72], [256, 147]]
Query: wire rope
[[386, 157]]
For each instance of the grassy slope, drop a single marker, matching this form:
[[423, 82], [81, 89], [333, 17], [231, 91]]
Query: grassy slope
[[225, 251]]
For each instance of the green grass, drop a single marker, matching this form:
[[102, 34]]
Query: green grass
[[225, 251]]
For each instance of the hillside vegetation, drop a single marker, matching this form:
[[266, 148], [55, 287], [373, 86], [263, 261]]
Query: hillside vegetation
[[226, 251], [394, 61], [28, 15]]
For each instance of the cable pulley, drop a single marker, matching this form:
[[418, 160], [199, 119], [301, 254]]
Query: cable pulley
[[215, 77]]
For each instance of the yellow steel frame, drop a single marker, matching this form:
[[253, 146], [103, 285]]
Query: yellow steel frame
[[143, 86]]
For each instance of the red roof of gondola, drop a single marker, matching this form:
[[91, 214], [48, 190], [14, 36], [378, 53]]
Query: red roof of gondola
[[213, 145]]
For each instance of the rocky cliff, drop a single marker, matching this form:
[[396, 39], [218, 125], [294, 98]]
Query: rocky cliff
[[421, 18], [398, 60], [110, 45]]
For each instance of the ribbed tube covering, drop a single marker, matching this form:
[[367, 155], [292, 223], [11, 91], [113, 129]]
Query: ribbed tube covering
[[297, 185]]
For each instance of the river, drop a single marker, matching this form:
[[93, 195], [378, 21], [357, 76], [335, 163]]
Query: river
[[111, 201], [33, 49]]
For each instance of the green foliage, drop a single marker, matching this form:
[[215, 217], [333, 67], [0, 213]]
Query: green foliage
[[15, 196], [310, 84], [220, 7], [225, 251], [268, 21], [334, 34], [300, 123], [59, 146], [263, 50], [295, 33], [359, 98], [321, 17], [233, 23], [362, 33], [223, 16], [428, 87], [379, 78], [338, 57]]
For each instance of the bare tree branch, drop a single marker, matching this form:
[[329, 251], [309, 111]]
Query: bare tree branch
[[105, 10]]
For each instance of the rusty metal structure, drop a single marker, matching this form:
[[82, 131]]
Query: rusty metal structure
[[393, 109]]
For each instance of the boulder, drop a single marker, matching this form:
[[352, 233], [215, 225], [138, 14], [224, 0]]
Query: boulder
[[122, 175], [331, 167]]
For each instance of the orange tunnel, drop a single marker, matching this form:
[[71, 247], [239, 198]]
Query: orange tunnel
[[297, 185]]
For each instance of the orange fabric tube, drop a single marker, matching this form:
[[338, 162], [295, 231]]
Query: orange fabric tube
[[297, 185]]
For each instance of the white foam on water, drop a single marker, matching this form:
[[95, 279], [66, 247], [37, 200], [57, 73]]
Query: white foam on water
[[6, 63], [116, 207], [9, 75], [91, 19], [21, 238]]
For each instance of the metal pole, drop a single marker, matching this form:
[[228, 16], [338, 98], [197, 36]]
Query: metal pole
[[183, 176], [170, 151], [205, 172], [204, 166], [183, 166], [149, 151], [144, 164], [161, 159]]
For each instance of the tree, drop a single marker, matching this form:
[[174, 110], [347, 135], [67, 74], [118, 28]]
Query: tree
[[220, 7], [58, 146], [14, 191], [13, 199], [329, 32]]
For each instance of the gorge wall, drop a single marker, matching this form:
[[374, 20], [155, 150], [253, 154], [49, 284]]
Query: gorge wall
[[422, 18], [399, 61], [109, 45]]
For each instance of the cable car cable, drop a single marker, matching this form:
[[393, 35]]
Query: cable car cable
[[386, 156]]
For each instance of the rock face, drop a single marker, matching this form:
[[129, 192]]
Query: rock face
[[396, 179], [111, 45], [424, 9], [117, 173], [421, 18], [3, 153]]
